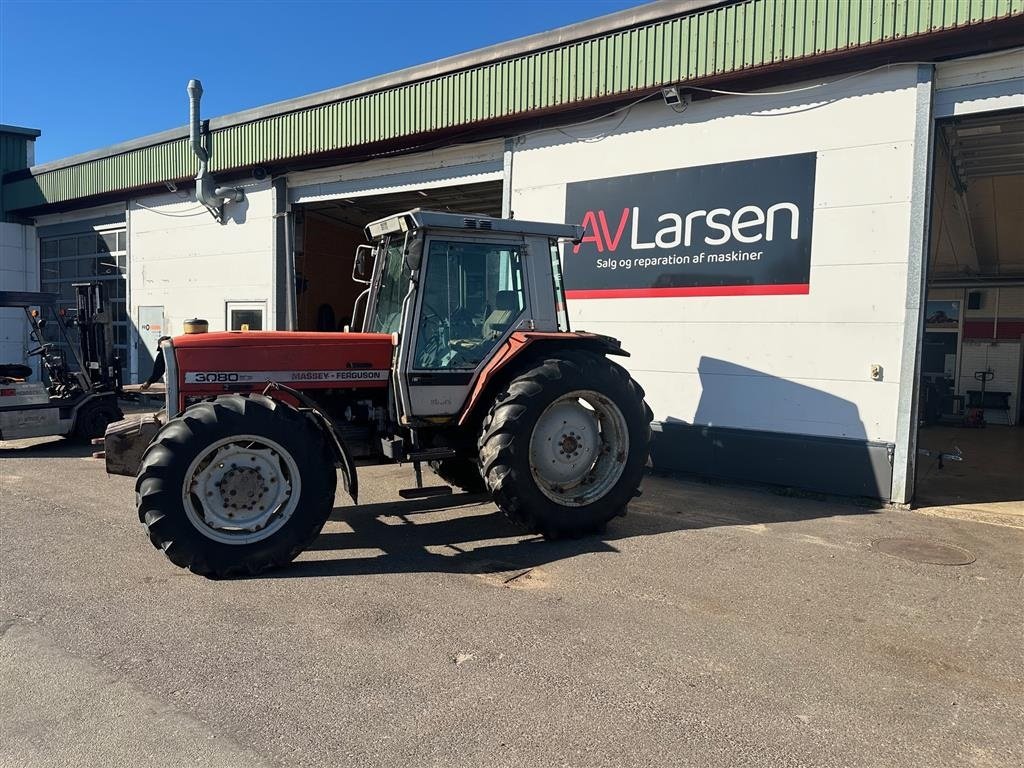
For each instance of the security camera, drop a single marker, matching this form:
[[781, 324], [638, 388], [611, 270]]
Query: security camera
[[671, 96], [676, 101], [259, 173]]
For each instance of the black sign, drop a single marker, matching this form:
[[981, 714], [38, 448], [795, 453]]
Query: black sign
[[730, 229]]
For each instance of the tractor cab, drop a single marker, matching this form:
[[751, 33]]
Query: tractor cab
[[455, 287]]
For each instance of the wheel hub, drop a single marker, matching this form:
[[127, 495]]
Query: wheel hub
[[241, 489], [578, 447], [569, 445]]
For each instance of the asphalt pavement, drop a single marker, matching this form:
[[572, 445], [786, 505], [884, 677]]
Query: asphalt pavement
[[712, 626]]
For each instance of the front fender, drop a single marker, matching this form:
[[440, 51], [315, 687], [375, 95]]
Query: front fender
[[342, 457]]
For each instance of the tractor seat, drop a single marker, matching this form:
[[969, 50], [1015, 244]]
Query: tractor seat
[[14, 371], [506, 307]]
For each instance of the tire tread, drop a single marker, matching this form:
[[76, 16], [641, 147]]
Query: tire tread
[[504, 428], [156, 495]]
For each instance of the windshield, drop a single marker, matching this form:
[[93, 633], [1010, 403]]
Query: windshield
[[473, 293], [394, 284]]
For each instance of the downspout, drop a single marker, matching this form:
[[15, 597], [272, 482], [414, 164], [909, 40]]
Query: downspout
[[211, 196]]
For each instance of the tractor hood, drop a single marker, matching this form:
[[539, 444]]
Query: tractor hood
[[212, 363], [290, 339]]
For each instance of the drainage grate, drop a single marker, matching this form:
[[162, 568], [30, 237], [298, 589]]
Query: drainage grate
[[924, 551]]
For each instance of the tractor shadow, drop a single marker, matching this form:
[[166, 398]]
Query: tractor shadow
[[464, 533]]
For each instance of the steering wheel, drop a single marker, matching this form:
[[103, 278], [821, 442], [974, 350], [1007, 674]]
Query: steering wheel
[[438, 320], [428, 309], [433, 339]]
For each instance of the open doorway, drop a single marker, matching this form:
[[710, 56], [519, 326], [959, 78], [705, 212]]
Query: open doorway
[[972, 363], [329, 231]]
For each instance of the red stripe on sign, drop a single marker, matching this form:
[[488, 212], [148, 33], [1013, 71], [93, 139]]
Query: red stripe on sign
[[788, 289]]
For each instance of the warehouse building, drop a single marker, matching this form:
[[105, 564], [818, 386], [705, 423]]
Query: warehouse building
[[804, 220]]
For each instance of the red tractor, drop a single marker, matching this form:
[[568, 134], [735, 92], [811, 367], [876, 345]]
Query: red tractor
[[465, 361]]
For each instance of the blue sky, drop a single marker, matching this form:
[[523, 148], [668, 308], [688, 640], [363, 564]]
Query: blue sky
[[89, 74]]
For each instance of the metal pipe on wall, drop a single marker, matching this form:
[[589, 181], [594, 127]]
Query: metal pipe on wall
[[214, 198]]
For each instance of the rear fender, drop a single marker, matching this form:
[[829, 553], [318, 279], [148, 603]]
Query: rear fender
[[308, 407], [524, 345]]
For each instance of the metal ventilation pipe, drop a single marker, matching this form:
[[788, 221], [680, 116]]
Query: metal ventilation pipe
[[213, 197], [195, 93]]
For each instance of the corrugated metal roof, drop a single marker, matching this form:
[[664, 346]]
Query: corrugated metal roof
[[707, 42]]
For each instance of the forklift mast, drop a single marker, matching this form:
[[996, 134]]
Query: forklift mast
[[94, 322]]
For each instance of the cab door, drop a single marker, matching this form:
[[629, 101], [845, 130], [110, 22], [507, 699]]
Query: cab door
[[471, 295]]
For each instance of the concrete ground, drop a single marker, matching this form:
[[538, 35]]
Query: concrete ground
[[713, 626], [987, 486]]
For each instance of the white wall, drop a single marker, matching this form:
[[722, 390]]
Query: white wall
[[19, 258], [798, 364], [182, 259], [19, 271]]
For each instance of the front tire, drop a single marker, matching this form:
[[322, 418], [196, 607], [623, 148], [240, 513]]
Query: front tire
[[563, 449], [235, 486]]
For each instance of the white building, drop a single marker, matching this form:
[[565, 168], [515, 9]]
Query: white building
[[772, 239]]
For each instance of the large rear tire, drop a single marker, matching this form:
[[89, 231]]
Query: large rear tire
[[235, 486], [563, 448]]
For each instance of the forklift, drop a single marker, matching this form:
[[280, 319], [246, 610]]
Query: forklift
[[76, 398]]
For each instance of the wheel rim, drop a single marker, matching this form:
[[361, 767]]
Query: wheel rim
[[241, 489], [578, 448]]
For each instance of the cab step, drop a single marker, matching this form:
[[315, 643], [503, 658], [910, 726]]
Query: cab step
[[432, 454], [425, 493]]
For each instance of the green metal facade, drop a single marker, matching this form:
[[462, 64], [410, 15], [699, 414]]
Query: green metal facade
[[13, 153], [716, 41]]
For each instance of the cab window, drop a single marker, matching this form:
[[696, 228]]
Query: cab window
[[394, 283], [472, 294]]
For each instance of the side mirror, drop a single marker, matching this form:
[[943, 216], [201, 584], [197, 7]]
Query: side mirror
[[414, 253], [362, 267]]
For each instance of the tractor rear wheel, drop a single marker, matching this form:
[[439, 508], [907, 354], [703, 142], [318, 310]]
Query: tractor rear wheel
[[563, 448], [235, 486]]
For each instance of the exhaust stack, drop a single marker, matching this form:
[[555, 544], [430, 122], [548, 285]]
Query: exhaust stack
[[207, 193]]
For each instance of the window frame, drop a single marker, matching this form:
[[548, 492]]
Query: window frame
[[512, 243], [230, 306], [116, 281]]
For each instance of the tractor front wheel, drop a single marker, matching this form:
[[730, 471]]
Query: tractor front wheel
[[235, 486], [563, 449]]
